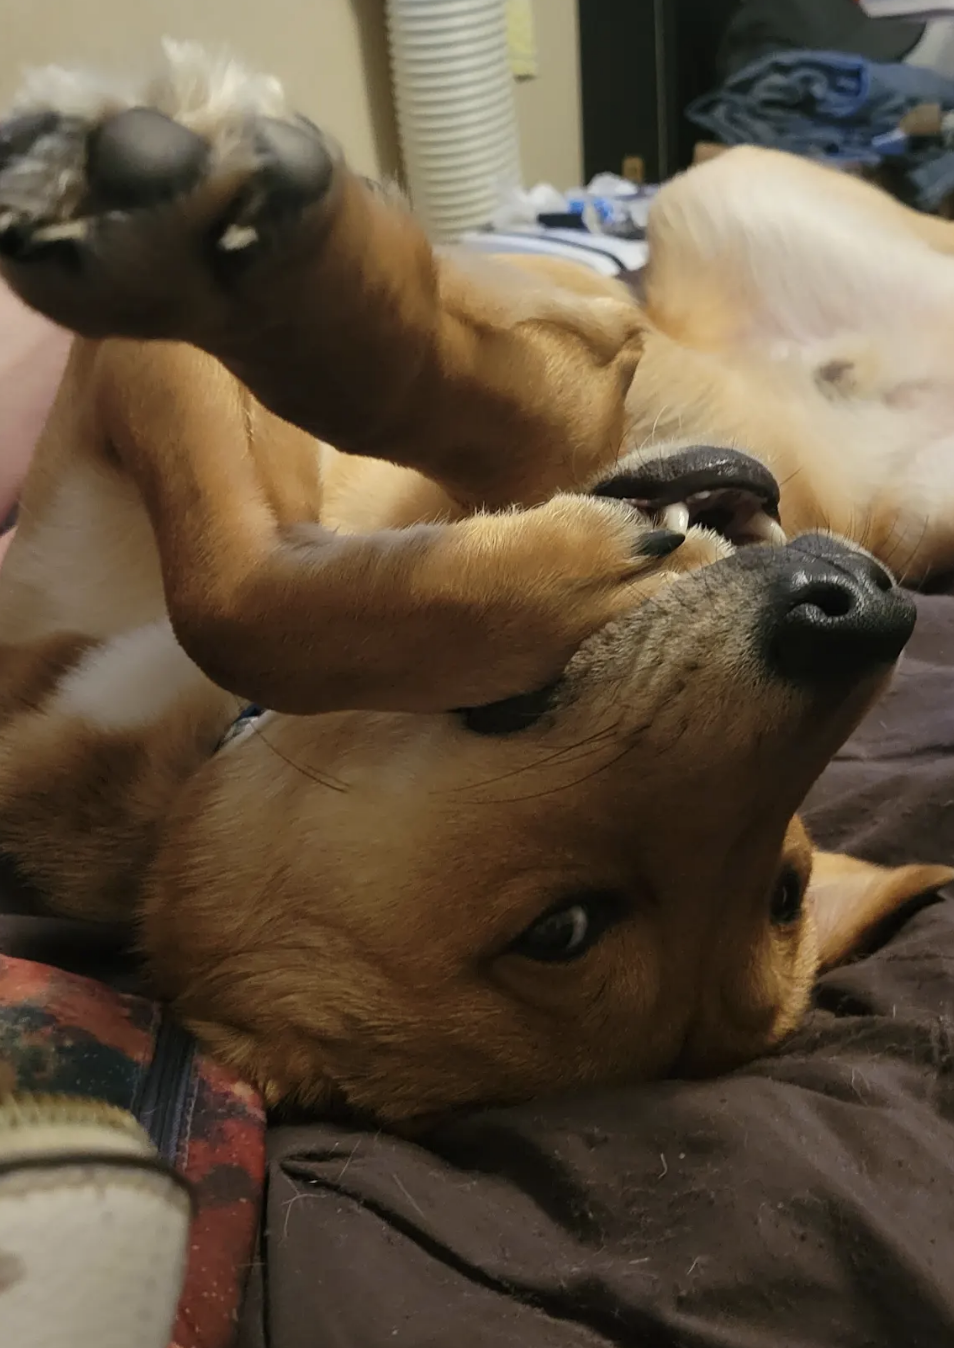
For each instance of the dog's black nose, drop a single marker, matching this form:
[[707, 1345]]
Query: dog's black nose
[[834, 612]]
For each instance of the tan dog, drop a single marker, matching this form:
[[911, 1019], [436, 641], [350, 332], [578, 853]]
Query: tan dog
[[393, 903]]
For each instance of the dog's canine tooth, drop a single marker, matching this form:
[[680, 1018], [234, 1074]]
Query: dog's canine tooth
[[675, 517], [769, 530]]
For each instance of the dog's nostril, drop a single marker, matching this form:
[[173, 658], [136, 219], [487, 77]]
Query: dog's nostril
[[832, 599], [879, 576], [141, 157]]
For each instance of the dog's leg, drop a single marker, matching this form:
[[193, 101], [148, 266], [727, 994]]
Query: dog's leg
[[301, 619], [216, 217]]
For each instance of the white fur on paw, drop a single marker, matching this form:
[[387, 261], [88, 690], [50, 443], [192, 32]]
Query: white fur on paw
[[214, 96]]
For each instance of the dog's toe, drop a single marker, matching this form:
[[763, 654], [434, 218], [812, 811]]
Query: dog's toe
[[297, 164], [139, 158], [18, 135], [295, 169], [127, 219]]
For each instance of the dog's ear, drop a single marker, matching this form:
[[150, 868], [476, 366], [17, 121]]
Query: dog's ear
[[850, 898]]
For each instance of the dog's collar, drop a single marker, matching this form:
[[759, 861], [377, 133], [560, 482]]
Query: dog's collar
[[243, 723]]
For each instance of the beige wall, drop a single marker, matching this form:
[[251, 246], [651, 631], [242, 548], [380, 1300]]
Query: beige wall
[[331, 54], [548, 107]]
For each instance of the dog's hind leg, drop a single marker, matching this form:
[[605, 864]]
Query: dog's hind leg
[[209, 213]]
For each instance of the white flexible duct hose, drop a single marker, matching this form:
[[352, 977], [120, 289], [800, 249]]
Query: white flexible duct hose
[[453, 92]]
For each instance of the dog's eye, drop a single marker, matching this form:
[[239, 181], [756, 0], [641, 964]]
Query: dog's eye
[[510, 715], [567, 932], [786, 903]]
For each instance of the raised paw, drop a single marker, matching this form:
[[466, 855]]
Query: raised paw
[[137, 215], [554, 575]]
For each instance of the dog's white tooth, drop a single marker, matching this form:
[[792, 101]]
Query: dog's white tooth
[[700, 496], [675, 517], [769, 530], [237, 237], [7, 220], [779, 536]]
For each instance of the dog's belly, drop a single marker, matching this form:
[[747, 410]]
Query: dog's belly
[[883, 409], [858, 429]]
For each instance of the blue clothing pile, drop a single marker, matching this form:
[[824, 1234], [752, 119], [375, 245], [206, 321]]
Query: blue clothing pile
[[834, 107]]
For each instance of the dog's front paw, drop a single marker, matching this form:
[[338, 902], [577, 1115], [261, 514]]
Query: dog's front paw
[[554, 575], [126, 215]]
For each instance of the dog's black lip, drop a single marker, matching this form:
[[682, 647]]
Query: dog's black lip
[[661, 482]]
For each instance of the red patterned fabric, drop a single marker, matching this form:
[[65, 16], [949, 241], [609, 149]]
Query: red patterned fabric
[[63, 1034]]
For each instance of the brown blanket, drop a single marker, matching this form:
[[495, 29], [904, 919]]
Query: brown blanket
[[805, 1201]]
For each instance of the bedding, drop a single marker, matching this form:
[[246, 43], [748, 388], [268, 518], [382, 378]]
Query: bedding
[[835, 107]]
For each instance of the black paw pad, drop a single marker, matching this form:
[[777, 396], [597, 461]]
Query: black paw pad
[[140, 158], [296, 166]]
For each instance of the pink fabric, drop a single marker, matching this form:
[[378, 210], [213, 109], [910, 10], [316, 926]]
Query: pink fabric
[[32, 356]]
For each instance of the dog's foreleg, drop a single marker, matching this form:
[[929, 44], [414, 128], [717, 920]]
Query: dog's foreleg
[[302, 619]]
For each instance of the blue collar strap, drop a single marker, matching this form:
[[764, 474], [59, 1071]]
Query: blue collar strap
[[242, 723]]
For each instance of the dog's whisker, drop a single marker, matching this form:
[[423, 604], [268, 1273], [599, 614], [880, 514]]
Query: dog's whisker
[[332, 784], [558, 757], [905, 571], [783, 482], [576, 781], [891, 544]]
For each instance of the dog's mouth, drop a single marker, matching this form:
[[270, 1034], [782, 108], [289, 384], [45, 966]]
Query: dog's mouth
[[706, 488]]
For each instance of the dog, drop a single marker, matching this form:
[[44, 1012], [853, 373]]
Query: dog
[[503, 554]]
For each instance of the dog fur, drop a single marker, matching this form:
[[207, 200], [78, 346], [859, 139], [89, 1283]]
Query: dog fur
[[300, 458]]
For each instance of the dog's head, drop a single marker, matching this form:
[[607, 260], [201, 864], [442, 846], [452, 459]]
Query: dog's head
[[601, 882]]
